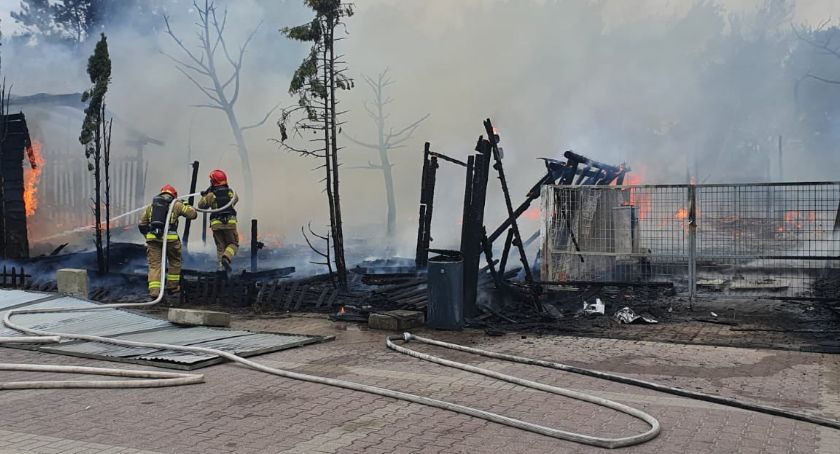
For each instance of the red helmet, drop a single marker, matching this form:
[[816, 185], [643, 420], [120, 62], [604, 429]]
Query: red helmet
[[218, 177], [167, 188]]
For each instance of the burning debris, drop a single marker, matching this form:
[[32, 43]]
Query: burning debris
[[32, 176], [14, 142]]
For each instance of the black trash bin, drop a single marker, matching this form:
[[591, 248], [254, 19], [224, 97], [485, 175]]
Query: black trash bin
[[445, 308]]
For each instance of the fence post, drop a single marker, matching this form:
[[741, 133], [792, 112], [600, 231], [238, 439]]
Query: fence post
[[692, 244], [254, 245], [191, 201]]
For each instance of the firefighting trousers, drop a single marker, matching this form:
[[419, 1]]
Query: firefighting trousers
[[227, 243], [173, 262]]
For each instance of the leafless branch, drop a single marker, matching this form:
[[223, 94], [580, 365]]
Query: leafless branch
[[405, 133], [360, 143], [261, 122], [822, 79]]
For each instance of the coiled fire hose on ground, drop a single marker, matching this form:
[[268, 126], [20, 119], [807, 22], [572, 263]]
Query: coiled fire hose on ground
[[775, 411], [173, 379]]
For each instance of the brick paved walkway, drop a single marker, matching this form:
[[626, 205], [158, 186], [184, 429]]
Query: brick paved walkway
[[239, 410]]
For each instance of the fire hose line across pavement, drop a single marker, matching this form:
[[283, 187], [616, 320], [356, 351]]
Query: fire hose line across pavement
[[158, 379]]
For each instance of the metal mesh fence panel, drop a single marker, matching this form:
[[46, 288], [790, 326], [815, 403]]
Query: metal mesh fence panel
[[748, 239], [768, 239]]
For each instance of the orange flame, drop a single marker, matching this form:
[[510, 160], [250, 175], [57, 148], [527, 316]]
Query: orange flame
[[681, 215], [639, 199], [341, 311], [31, 177]]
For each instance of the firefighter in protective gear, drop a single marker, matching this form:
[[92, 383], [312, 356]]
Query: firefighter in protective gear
[[152, 224], [223, 223]]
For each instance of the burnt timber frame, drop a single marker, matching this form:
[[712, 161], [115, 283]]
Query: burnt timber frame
[[14, 140], [474, 238], [191, 202], [427, 199]]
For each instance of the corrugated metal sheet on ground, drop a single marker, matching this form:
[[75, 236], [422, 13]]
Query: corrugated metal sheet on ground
[[127, 325], [251, 344], [104, 322], [10, 298], [170, 334]]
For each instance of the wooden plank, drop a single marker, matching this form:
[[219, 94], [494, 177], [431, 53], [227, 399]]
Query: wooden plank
[[274, 289], [322, 297], [333, 296], [290, 297], [300, 298]]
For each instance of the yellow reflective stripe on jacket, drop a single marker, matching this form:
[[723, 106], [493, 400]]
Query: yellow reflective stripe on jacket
[[231, 220], [169, 236]]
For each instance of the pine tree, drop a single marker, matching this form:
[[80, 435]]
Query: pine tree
[[315, 82], [94, 136]]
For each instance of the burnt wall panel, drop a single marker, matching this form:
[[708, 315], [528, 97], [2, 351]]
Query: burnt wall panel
[[14, 138]]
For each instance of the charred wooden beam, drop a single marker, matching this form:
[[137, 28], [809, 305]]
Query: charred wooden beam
[[473, 223], [14, 139], [427, 195], [448, 159], [191, 201], [255, 245], [493, 140]]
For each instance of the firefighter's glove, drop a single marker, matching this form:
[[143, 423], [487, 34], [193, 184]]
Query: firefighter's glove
[[143, 228]]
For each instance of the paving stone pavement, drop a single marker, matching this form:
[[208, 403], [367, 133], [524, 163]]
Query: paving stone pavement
[[239, 410]]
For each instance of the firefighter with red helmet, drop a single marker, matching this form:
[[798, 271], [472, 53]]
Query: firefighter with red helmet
[[152, 225], [222, 223]]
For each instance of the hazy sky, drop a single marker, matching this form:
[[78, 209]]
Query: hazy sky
[[811, 11], [557, 82]]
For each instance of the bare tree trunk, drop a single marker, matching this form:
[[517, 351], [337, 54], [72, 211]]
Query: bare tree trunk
[[107, 155], [338, 237], [248, 184], [385, 163], [328, 162], [97, 197]]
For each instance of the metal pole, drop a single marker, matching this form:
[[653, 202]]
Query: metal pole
[[254, 245], [692, 244], [191, 201]]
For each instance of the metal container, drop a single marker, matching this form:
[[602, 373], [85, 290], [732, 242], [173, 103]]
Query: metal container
[[445, 309]]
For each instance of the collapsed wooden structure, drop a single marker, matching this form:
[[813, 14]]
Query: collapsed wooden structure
[[14, 141], [475, 239]]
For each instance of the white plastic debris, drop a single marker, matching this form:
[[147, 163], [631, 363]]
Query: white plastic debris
[[713, 314], [626, 315], [594, 309]]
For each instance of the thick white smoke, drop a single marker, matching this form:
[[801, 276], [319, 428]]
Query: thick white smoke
[[670, 87]]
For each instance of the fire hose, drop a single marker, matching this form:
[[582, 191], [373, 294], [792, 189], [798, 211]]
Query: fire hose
[[157, 379]]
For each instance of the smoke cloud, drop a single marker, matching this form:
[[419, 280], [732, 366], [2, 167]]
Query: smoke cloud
[[672, 88]]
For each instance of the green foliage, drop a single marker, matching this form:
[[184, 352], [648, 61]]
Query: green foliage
[[78, 18], [99, 70], [75, 21], [35, 16], [310, 32], [308, 79], [306, 73]]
